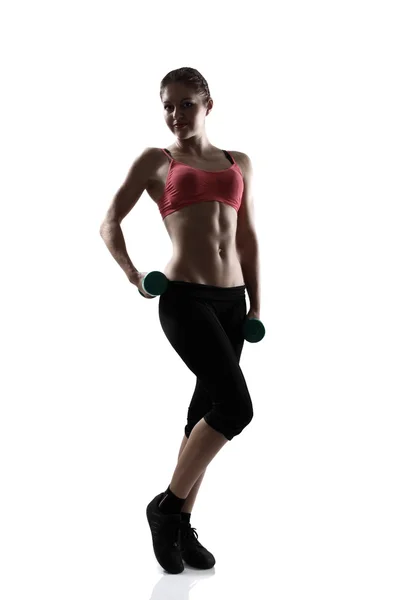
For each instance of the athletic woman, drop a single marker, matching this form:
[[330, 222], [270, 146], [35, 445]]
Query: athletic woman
[[204, 196]]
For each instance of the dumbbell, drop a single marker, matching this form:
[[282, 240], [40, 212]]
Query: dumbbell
[[155, 283], [253, 330]]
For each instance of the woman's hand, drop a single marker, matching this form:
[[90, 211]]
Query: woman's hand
[[253, 314], [136, 279]]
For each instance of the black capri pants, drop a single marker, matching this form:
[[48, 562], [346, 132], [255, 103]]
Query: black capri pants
[[203, 323]]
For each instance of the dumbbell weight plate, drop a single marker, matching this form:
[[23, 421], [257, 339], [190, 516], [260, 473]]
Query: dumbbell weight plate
[[253, 330]]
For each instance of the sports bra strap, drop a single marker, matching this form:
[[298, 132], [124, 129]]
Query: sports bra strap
[[227, 153]]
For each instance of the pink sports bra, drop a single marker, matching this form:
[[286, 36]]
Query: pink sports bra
[[187, 185]]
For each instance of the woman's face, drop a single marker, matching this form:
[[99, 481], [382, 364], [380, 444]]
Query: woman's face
[[182, 105]]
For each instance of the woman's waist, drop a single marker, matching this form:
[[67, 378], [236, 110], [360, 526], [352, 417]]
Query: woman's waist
[[217, 271], [202, 253]]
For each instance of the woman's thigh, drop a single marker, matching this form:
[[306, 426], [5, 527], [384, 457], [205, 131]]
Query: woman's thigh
[[202, 402], [195, 332], [207, 335]]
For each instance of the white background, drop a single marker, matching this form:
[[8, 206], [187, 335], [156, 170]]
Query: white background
[[94, 398]]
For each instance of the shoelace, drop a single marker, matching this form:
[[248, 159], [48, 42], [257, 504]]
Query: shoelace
[[190, 532]]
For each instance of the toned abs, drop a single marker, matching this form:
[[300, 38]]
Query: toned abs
[[203, 235]]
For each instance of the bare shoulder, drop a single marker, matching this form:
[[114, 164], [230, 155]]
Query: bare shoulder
[[154, 154], [242, 159], [237, 154], [155, 158], [158, 156]]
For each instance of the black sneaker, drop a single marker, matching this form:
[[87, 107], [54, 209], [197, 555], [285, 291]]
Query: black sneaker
[[165, 530]]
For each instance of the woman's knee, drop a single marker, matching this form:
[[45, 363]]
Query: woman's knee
[[231, 420], [245, 417], [229, 425]]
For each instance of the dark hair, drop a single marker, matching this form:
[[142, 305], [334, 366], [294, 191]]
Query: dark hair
[[190, 77]]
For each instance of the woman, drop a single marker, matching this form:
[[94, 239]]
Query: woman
[[204, 196]]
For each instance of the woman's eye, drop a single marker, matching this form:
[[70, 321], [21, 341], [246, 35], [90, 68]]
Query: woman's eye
[[168, 106]]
